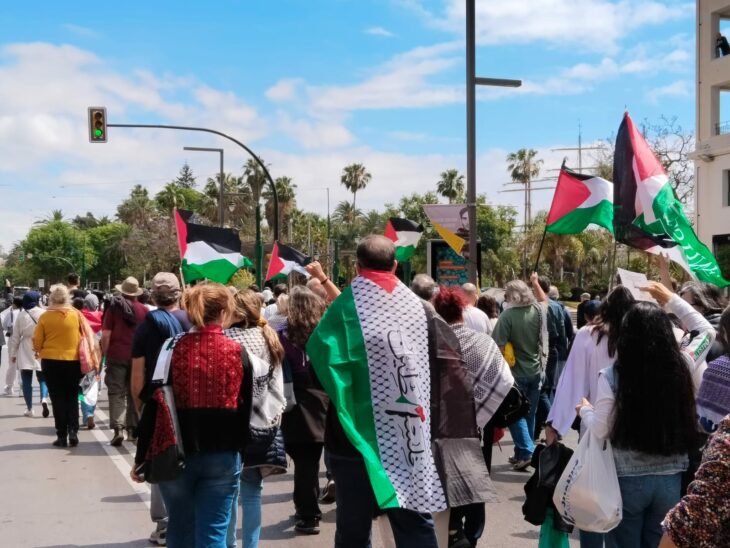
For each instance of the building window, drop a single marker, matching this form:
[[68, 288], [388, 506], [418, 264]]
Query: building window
[[722, 123], [722, 38], [721, 249]]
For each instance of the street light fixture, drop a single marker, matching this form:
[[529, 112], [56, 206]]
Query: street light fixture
[[471, 155]]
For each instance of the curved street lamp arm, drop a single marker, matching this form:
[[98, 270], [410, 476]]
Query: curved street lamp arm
[[274, 195]]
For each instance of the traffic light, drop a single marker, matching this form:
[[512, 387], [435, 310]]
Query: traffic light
[[97, 124]]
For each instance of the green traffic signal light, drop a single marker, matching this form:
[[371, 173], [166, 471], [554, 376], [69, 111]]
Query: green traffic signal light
[[97, 124]]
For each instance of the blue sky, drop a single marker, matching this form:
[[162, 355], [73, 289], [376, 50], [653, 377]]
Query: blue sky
[[312, 86]]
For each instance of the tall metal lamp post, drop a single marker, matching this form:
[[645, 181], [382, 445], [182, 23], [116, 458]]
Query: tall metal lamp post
[[221, 192], [471, 156]]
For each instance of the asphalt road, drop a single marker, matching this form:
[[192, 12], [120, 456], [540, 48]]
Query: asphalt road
[[82, 497]]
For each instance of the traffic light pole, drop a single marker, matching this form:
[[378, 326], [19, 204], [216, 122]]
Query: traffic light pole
[[274, 195]]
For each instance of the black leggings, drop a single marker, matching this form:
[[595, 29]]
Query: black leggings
[[62, 378], [306, 458]]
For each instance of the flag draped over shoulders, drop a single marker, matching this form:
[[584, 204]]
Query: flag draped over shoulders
[[370, 352]]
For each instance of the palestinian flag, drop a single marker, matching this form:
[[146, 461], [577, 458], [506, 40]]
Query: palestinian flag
[[370, 351], [284, 260], [648, 215], [208, 252], [580, 200], [405, 235]]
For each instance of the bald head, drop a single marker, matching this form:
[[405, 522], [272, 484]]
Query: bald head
[[376, 253], [470, 292]]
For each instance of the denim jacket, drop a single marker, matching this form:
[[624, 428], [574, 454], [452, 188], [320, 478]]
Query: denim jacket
[[636, 463]]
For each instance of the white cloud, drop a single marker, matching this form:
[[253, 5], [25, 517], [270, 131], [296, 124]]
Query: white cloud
[[78, 30], [43, 132], [379, 31], [679, 89], [401, 82], [315, 134], [284, 90], [594, 25]]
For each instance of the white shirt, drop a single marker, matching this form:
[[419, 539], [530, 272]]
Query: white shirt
[[597, 418], [20, 344], [477, 320], [580, 377]]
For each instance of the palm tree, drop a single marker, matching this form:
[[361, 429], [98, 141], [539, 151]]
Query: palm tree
[[355, 177], [53, 216], [138, 209], [170, 197], [451, 185], [346, 213], [373, 222], [241, 204], [286, 194], [523, 166]]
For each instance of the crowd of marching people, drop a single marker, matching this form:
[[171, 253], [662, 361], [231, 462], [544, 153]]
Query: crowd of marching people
[[401, 391]]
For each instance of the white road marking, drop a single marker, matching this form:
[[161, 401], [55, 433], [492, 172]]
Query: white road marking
[[122, 464]]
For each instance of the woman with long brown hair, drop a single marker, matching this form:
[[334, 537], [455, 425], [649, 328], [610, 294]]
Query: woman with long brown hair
[[206, 375], [264, 454], [304, 425]]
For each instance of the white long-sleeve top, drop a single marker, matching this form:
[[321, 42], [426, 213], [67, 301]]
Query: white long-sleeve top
[[580, 377], [20, 344], [598, 418]]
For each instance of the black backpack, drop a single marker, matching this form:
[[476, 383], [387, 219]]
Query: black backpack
[[514, 407]]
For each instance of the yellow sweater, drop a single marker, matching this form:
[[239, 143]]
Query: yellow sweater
[[56, 336]]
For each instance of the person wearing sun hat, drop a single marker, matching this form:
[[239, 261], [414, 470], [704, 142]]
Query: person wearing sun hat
[[117, 332]]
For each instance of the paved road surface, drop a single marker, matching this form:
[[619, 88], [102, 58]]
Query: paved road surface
[[81, 497]]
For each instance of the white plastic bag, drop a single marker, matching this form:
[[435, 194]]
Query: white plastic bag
[[588, 495], [89, 389]]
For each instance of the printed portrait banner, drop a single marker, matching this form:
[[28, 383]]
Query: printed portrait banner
[[451, 221]]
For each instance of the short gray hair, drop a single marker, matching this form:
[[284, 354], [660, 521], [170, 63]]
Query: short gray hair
[[424, 286], [517, 293], [470, 289], [59, 295], [553, 293]]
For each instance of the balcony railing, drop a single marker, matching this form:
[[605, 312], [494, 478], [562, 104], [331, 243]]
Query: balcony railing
[[722, 128]]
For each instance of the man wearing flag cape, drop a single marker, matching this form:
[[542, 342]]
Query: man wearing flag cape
[[401, 429]]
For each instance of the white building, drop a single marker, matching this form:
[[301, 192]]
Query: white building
[[712, 154]]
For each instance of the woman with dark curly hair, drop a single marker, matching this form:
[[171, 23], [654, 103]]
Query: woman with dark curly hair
[[646, 406]]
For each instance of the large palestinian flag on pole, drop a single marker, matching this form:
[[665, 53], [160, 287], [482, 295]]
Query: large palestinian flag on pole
[[405, 235], [208, 252], [371, 353], [647, 214], [285, 260], [580, 200]]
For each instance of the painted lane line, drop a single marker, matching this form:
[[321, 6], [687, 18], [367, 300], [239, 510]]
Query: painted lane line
[[141, 489]]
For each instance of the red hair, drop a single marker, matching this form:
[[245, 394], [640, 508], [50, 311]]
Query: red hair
[[449, 302]]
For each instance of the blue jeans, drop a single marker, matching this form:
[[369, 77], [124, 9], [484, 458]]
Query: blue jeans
[[86, 410], [26, 378], [199, 501], [589, 539], [646, 500], [522, 430], [355, 506], [250, 497]]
